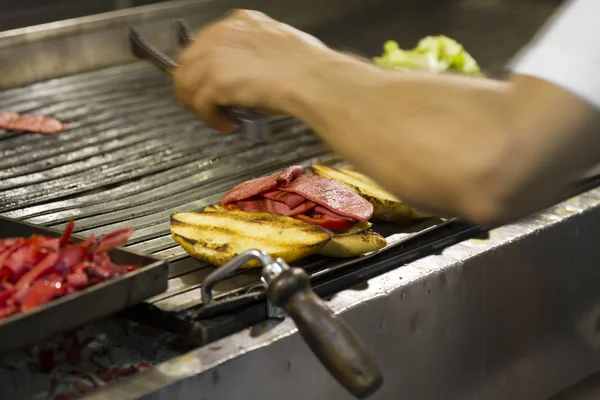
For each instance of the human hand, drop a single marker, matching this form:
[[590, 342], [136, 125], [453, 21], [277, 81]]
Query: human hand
[[246, 59]]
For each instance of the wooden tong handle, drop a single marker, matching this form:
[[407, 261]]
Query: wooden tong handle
[[340, 350]]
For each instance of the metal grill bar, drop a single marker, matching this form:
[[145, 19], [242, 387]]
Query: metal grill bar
[[132, 158]]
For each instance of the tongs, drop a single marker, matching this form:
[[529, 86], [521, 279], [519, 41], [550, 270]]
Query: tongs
[[253, 125], [288, 291]]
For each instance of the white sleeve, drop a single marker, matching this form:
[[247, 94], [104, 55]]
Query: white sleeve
[[567, 51]]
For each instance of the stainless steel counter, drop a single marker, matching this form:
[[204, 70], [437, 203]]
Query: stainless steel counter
[[513, 317]]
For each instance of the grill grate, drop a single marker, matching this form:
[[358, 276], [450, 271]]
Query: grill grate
[[132, 158]]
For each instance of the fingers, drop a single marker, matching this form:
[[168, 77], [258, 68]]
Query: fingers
[[206, 108], [188, 79], [199, 45], [195, 86], [248, 15], [234, 20], [209, 74], [194, 92]]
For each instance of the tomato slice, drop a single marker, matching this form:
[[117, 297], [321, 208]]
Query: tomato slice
[[320, 219], [231, 207], [326, 221]]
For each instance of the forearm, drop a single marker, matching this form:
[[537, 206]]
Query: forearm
[[488, 151], [559, 131], [471, 145]]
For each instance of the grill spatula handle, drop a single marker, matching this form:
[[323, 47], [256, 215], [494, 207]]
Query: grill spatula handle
[[341, 351]]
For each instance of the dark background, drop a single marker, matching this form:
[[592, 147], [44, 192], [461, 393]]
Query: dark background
[[20, 13]]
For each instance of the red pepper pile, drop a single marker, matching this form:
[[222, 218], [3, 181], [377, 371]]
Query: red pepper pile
[[36, 270]]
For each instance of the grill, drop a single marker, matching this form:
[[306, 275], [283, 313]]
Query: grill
[[133, 157]]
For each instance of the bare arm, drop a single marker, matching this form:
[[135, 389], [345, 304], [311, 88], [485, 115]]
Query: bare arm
[[485, 150]]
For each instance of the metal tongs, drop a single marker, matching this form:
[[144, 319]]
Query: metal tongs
[[341, 351], [253, 125]]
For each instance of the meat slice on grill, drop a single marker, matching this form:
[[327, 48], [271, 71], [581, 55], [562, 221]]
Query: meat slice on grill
[[30, 123], [332, 195], [317, 200], [259, 185]]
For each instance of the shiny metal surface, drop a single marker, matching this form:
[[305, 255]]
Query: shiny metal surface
[[272, 270], [20, 13], [503, 318], [228, 269], [491, 29], [253, 126], [71, 46], [336, 345]]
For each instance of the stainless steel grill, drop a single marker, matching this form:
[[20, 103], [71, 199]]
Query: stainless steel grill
[[132, 158]]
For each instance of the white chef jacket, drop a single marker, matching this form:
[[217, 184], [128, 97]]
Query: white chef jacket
[[567, 51]]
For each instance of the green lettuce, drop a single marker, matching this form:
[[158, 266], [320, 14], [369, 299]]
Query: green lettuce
[[432, 53]]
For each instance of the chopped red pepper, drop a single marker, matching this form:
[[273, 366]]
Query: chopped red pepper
[[9, 267], [78, 280], [25, 282], [86, 243], [36, 270], [100, 266], [5, 297], [42, 291], [326, 221], [320, 219], [68, 258], [65, 239], [8, 311], [114, 239]]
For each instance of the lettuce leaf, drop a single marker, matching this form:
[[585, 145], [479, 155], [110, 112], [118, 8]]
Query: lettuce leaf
[[432, 53]]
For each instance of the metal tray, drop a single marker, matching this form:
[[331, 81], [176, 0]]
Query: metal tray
[[72, 311]]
